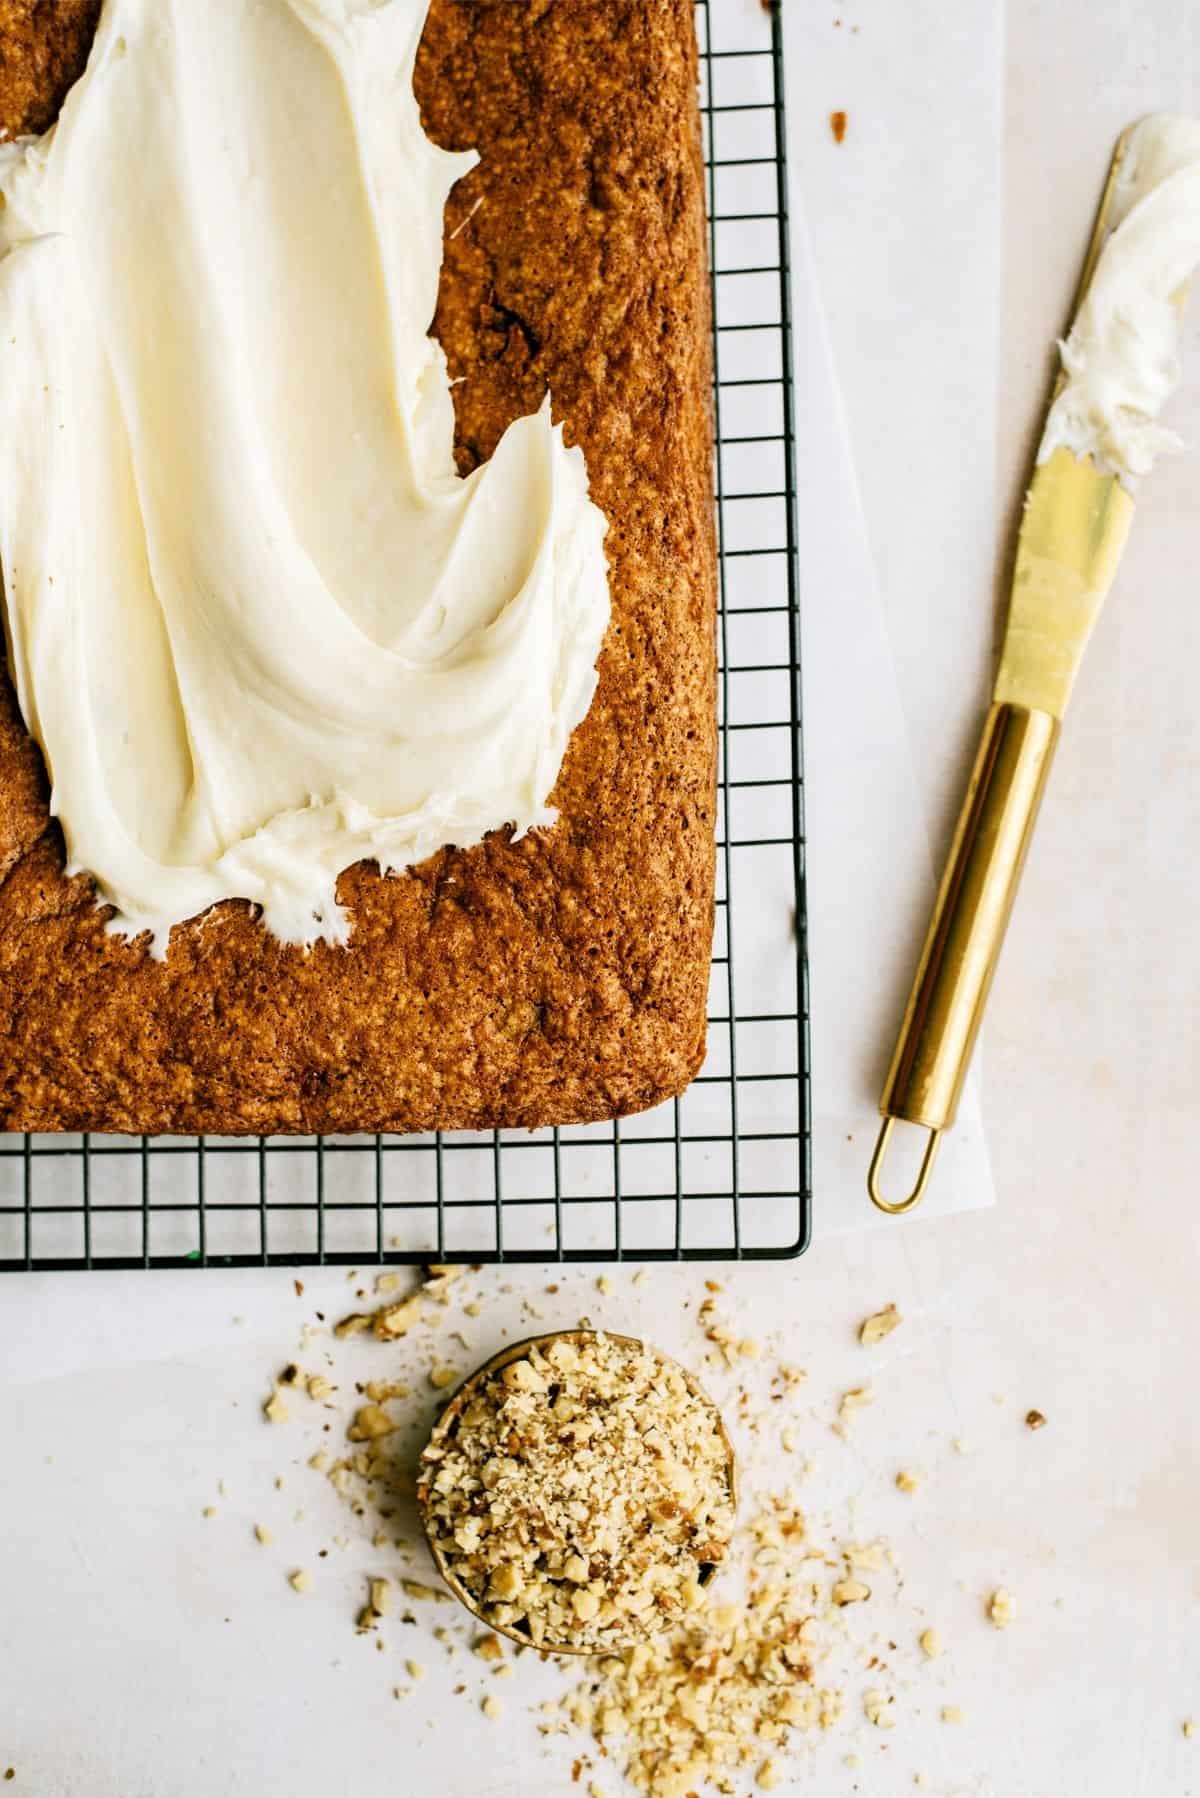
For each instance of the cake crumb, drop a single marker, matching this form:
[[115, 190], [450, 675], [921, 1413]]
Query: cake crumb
[[301, 1580], [1001, 1608], [880, 1323]]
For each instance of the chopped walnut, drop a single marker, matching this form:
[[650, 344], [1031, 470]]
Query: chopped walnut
[[370, 1423], [852, 1403], [880, 1324], [319, 1386], [877, 1709], [578, 1492], [1001, 1608]]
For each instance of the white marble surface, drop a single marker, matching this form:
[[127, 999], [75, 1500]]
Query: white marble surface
[[119, 1674]]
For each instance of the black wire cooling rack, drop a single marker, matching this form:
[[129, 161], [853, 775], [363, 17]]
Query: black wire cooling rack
[[722, 1173]]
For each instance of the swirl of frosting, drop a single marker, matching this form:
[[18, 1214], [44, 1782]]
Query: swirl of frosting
[[259, 626]]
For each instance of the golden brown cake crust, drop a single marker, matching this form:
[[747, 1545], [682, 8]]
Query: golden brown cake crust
[[557, 979]]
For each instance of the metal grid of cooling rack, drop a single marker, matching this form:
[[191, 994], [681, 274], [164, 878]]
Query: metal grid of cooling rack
[[722, 1173]]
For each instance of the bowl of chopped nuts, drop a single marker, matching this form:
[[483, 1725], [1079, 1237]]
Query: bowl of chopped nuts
[[578, 1492]]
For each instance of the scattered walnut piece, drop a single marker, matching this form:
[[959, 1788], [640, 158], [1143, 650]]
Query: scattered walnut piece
[[209, 1511], [953, 1713], [849, 1591], [1001, 1608], [415, 1588], [770, 1775], [877, 1709], [262, 1534], [492, 1708], [908, 1482], [388, 1282], [415, 1670], [871, 1556], [370, 1423], [441, 1377], [354, 1325], [1189, 1727], [880, 1324], [275, 1410], [489, 1648], [395, 1321], [931, 1643], [300, 1581], [1035, 1420], [319, 1386], [852, 1402]]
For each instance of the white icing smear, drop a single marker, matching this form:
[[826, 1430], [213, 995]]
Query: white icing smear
[[259, 627], [1122, 355]]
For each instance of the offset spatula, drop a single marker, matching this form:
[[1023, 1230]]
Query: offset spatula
[[1073, 531]]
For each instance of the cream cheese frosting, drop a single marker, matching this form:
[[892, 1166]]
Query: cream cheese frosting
[[1121, 358], [259, 626]]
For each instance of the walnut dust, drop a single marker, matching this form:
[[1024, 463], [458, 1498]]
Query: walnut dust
[[581, 1493]]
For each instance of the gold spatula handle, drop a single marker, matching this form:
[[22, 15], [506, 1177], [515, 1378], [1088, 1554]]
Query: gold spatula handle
[[945, 1006]]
